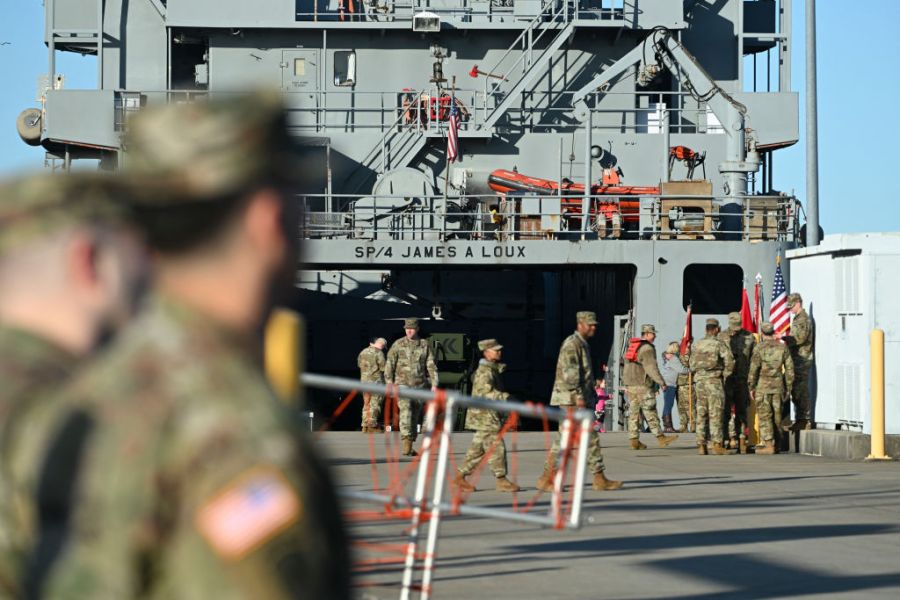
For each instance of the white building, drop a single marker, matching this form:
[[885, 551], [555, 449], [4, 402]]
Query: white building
[[850, 285]]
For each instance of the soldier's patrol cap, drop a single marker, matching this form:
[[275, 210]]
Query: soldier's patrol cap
[[209, 149], [734, 318], [767, 328], [672, 348], [41, 203], [712, 323], [410, 323], [490, 344], [793, 299], [647, 328], [587, 317]]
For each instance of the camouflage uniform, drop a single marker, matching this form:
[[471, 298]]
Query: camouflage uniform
[[800, 343], [410, 363], [642, 380], [486, 383], [737, 394], [771, 368], [193, 480], [574, 386], [687, 410], [711, 363], [371, 370]]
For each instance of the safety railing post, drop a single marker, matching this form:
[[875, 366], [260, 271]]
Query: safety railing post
[[580, 465], [877, 382], [437, 499]]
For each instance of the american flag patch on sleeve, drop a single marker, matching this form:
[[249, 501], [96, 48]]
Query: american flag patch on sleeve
[[255, 507]]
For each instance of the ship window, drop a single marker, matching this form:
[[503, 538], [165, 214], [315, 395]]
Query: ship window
[[712, 289], [345, 68], [299, 67]]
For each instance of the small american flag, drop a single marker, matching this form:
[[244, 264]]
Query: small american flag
[[779, 315], [453, 133]]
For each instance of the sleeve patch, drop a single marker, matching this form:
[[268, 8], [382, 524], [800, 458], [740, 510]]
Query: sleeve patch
[[251, 510]]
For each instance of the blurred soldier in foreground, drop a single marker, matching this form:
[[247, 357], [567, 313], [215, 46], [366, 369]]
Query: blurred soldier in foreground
[[487, 383], [711, 364], [195, 481], [771, 368], [642, 379], [410, 362], [371, 370], [574, 388], [800, 343], [70, 275], [737, 394]]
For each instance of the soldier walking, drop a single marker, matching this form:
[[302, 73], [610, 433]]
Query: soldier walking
[[573, 386], [487, 383], [371, 370], [642, 379], [737, 394], [711, 364], [771, 373], [410, 362], [800, 343]]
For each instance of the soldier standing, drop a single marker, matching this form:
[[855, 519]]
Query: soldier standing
[[771, 367], [642, 379], [572, 388], [711, 363], [737, 394], [487, 383], [70, 272], [371, 370], [410, 362], [687, 398], [195, 481], [800, 343]]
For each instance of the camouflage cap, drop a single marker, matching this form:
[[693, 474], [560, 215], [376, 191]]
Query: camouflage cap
[[767, 328], [411, 323], [204, 150], [587, 317], [672, 348], [734, 318], [38, 204], [647, 328], [793, 299], [490, 344], [712, 323]]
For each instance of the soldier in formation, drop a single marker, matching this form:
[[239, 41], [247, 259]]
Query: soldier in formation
[[800, 343], [574, 388], [687, 396], [487, 382], [371, 370], [771, 373], [71, 270], [642, 380], [711, 363], [410, 362], [193, 480], [737, 394]]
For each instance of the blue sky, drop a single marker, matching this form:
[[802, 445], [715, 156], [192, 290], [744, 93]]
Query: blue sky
[[857, 96]]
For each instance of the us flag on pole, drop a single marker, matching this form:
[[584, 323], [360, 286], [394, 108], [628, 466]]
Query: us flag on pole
[[453, 133], [779, 315]]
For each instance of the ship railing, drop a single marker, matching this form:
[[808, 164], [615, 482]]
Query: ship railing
[[551, 217]]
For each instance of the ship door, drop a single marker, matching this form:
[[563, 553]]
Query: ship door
[[300, 81]]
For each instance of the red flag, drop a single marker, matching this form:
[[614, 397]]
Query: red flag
[[746, 317], [688, 334]]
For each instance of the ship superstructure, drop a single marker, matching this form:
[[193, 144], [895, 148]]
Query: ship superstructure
[[614, 156]]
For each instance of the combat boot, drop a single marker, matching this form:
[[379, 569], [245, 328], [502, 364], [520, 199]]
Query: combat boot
[[505, 485], [743, 445], [636, 444], [462, 484], [665, 440], [701, 449], [601, 483], [718, 449], [407, 448], [545, 481], [769, 448]]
